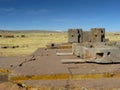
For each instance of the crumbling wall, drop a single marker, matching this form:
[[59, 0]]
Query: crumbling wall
[[80, 36], [100, 53], [75, 35]]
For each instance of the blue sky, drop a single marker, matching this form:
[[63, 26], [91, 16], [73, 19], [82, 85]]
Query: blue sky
[[59, 14]]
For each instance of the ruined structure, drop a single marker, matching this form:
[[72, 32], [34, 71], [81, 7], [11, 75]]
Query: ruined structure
[[90, 46], [75, 35], [44, 67], [7, 36], [97, 52], [80, 36]]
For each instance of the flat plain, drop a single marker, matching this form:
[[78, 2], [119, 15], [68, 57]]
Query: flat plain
[[33, 40], [28, 44]]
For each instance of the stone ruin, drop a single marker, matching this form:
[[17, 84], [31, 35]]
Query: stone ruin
[[90, 46], [80, 36]]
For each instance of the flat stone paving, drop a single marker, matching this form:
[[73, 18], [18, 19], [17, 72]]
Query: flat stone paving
[[46, 62]]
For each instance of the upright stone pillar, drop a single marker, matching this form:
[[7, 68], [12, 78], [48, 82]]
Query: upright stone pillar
[[97, 35], [75, 35]]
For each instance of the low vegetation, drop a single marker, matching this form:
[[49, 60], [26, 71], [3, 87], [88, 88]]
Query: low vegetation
[[113, 37], [27, 43]]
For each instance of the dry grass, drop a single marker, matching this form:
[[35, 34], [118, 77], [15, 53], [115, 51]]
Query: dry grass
[[32, 41], [113, 36]]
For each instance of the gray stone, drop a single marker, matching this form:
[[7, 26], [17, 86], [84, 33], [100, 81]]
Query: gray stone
[[75, 35], [80, 36]]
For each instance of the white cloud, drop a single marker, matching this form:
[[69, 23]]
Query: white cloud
[[58, 30], [12, 11], [38, 11], [6, 10], [60, 20]]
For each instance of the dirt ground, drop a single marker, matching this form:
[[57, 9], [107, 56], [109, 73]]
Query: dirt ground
[[45, 62]]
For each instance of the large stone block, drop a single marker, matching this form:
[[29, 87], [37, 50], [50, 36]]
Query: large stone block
[[98, 53], [86, 36], [97, 35], [75, 35]]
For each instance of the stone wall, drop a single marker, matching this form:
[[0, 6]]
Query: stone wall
[[80, 36]]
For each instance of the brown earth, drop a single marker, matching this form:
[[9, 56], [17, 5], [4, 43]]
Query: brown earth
[[10, 86], [44, 61]]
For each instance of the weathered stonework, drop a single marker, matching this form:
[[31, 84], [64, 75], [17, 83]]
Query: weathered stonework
[[80, 36], [97, 35], [75, 35], [97, 53]]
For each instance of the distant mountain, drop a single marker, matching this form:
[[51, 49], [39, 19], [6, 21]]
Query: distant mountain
[[27, 31]]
